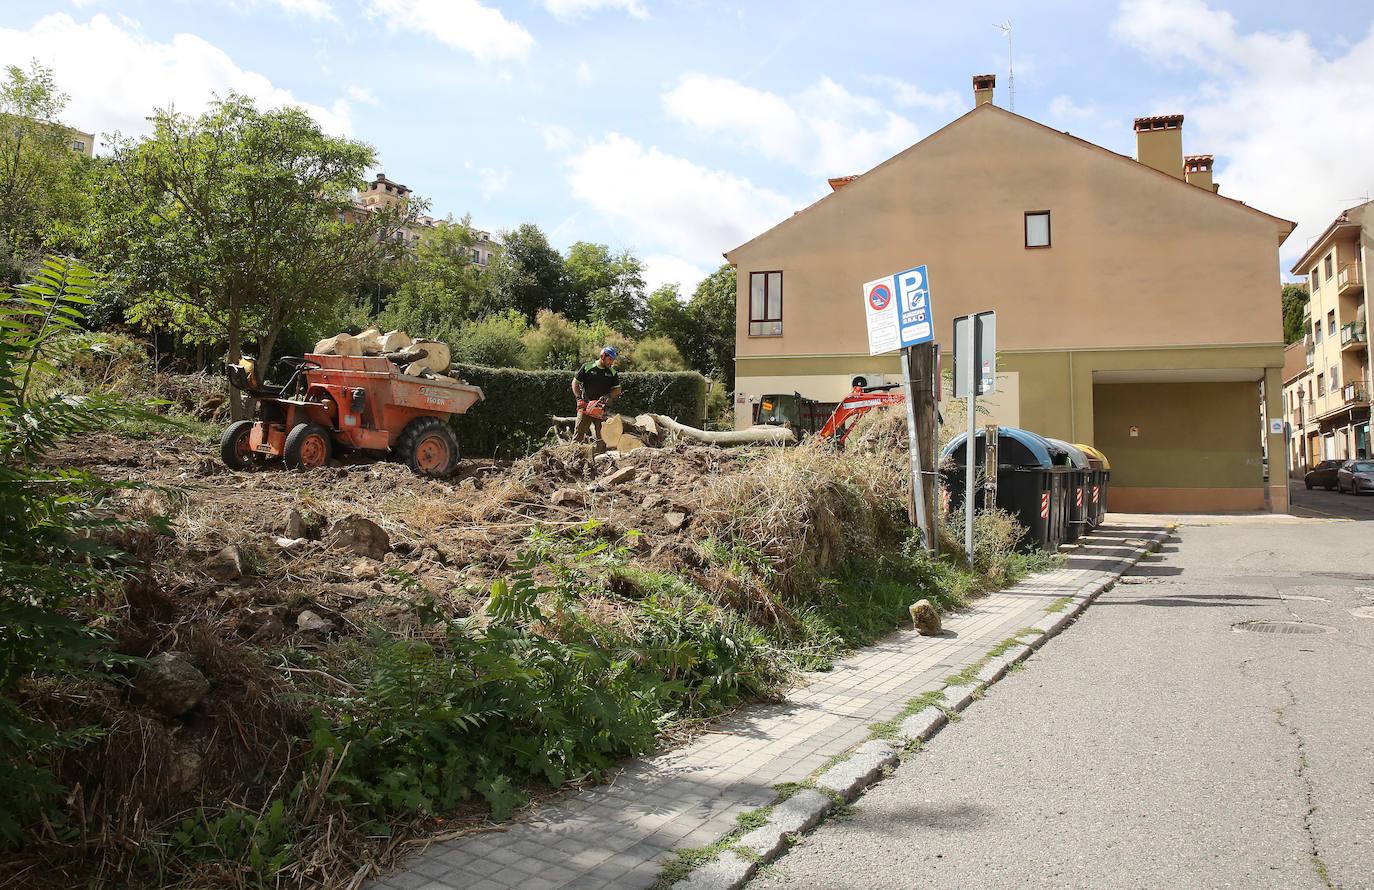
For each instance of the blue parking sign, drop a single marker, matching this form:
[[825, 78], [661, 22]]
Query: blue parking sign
[[913, 290]]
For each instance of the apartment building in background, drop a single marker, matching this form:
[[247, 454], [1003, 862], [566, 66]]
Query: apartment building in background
[[1334, 422], [385, 193], [1136, 304], [1298, 396]]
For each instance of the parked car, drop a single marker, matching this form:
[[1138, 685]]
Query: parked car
[[1356, 476], [1323, 474]]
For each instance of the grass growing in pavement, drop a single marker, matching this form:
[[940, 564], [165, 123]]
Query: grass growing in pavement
[[970, 673], [1059, 605]]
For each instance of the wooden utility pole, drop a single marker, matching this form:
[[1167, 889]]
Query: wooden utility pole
[[920, 361]]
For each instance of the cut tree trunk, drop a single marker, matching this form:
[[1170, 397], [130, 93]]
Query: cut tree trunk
[[623, 434], [768, 436]]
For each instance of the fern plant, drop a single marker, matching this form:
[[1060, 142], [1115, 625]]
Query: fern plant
[[52, 559]]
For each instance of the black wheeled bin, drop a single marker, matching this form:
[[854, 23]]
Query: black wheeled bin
[[1029, 484], [1081, 518], [1099, 475]]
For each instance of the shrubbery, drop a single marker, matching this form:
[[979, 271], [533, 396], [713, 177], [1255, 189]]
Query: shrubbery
[[514, 418]]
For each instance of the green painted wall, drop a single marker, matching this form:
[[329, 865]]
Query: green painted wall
[[1192, 435]]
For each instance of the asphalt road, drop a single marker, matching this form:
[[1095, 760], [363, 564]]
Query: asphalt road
[[1320, 503], [1152, 745]]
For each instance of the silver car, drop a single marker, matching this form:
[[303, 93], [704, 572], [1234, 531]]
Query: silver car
[[1355, 476]]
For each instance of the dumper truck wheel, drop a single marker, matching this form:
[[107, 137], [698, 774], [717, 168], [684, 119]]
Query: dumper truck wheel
[[428, 446], [307, 446], [234, 447]]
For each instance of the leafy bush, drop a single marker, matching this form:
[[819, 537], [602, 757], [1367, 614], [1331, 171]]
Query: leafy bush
[[496, 341], [514, 418], [553, 342], [655, 354], [52, 560]]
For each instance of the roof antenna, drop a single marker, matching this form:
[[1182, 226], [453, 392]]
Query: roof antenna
[[1005, 28]]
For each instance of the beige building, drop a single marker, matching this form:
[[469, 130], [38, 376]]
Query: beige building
[[1136, 308], [1335, 423], [1298, 395]]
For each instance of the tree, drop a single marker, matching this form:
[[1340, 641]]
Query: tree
[[228, 225], [605, 287], [438, 288], [1295, 299], [40, 176], [712, 308], [527, 274]]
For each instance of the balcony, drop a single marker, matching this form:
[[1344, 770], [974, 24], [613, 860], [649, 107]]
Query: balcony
[[1311, 355], [1354, 393], [1353, 336], [1349, 280]]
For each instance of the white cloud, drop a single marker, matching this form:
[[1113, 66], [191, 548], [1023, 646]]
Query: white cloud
[[908, 95], [493, 181], [362, 94], [567, 10], [1063, 107], [671, 201], [663, 268], [1261, 100], [824, 131], [315, 9], [463, 24], [557, 137], [116, 76]]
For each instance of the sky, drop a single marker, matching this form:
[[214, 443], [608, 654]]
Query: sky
[[682, 128]]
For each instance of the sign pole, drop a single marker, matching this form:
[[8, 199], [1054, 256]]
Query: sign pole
[[917, 488], [969, 455]]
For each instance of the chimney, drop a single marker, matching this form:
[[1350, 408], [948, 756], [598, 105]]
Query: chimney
[[1159, 143], [1197, 170], [839, 182], [982, 88]]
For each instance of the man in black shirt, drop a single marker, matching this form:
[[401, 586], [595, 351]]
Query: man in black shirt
[[594, 381]]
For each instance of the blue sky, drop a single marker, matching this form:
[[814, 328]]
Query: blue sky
[[682, 128]]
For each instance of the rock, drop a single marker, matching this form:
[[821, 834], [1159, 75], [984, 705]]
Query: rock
[[171, 683], [654, 479], [292, 544], [308, 622], [675, 520], [924, 618], [429, 554], [638, 543], [395, 341], [359, 536], [364, 570], [295, 524], [227, 565], [182, 769], [568, 496], [624, 474], [342, 344], [652, 500]]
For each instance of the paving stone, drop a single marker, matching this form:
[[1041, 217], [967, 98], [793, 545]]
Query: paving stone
[[862, 768], [924, 723], [726, 873]]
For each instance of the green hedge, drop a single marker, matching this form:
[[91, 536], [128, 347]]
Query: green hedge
[[513, 420]]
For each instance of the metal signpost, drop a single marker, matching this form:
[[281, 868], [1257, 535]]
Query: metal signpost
[[975, 373], [897, 310]]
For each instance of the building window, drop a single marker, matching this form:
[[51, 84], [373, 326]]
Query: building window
[[1331, 323], [1321, 384], [1315, 281], [78, 145], [1333, 379], [1326, 265], [1316, 332], [765, 304], [1037, 228]]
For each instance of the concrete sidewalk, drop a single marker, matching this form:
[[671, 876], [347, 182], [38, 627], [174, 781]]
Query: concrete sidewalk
[[623, 834]]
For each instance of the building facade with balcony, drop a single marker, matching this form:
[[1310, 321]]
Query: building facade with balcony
[[1081, 252], [1336, 268], [1297, 403], [384, 193]]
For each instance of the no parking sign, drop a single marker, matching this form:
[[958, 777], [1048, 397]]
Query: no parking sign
[[898, 311]]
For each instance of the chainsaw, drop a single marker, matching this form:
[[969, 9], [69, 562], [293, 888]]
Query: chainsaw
[[595, 410]]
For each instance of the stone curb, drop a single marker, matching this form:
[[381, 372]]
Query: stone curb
[[866, 763]]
